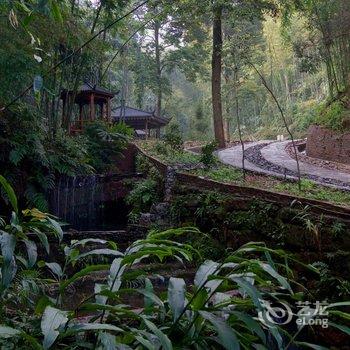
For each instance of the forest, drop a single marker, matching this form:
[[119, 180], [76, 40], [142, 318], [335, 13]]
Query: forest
[[175, 174]]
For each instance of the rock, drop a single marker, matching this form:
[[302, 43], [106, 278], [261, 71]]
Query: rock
[[160, 210], [146, 219]]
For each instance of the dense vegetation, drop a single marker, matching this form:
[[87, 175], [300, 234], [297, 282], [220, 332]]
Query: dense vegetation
[[220, 70], [218, 311]]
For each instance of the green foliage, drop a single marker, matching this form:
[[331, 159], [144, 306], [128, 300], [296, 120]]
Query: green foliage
[[332, 116], [143, 195], [105, 143], [31, 156], [330, 285], [167, 154], [224, 300], [173, 136], [207, 156], [144, 192], [314, 191], [221, 173]]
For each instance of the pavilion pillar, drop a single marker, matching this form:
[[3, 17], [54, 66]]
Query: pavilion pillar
[[92, 107], [81, 116], [103, 111], [109, 110], [158, 133], [63, 110], [146, 130]]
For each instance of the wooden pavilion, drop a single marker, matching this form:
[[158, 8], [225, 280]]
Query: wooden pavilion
[[142, 122], [94, 102]]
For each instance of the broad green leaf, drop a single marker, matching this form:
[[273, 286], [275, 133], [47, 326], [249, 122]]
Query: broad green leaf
[[249, 289], [83, 242], [32, 252], [176, 296], [149, 294], [52, 319], [98, 288], [341, 303], [278, 337], [226, 334], [84, 327], [10, 193], [149, 299], [43, 239], [56, 228], [271, 271], [41, 305], [340, 314], [205, 270], [146, 343], [251, 324], [115, 273], [99, 252], [84, 272], [107, 341], [311, 346], [55, 269], [8, 244], [163, 339], [9, 267], [341, 327], [8, 332]]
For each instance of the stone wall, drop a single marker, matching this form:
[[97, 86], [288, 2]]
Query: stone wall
[[328, 144], [247, 193], [126, 163]]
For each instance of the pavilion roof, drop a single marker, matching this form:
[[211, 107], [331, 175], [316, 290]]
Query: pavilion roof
[[137, 118], [88, 87]]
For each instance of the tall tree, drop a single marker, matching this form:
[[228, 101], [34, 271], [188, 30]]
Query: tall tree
[[216, 69]]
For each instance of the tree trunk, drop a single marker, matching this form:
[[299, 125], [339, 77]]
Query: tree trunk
[[216, 77], [96, 17], [158, 68]]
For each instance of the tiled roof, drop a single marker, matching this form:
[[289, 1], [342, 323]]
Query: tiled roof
[[92, 87], [129, 112]]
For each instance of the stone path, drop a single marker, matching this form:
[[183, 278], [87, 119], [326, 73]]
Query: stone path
[[270, 157]]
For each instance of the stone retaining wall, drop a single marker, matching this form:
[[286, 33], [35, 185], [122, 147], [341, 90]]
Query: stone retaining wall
[[327, 144], [316, 207]]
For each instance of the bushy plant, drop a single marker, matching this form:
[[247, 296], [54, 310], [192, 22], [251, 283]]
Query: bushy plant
[[331, 116], [144, 192], [207, 156], [161, 148], [105, 143], [31, 155], [173, 136]]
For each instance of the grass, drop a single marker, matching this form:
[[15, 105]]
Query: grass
[[228, 174], [168, 155], [220, 173], [313, 191]]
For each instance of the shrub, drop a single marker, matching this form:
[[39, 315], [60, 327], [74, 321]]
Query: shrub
[[105, 143], [332, 116], [207, 156], [173, 136], [28, 147]]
